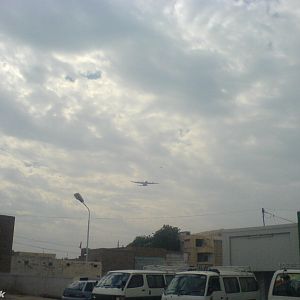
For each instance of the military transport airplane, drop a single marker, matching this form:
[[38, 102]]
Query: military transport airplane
[[144, 183]]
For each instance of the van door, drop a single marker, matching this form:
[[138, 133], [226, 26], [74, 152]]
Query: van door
[[156, 285], [136, 287], [214, 289], [232, 288]]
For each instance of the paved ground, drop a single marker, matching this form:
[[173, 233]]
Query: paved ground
[[19, 297]]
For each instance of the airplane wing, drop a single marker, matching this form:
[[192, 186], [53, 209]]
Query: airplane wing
[[152, 183], [140, 182]]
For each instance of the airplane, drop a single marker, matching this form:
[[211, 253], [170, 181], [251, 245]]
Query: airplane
[[144, 183]]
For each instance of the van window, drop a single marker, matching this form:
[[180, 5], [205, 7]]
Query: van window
[[113, 280], [89, 286], [155, 281], [77, 285], [213, 285], [136, 281], [248, 284], [192, 285], [231, 285], [287, 284], [169, 279]]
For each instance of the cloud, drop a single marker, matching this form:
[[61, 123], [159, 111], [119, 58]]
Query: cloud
[[95, 95], [92, 75]]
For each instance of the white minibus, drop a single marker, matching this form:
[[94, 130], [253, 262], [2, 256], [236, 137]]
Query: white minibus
[[132, 284], [216, 284]]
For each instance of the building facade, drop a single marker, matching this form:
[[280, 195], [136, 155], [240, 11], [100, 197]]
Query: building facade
[[7, 224], [133, 258], [265, 249], [46, 265], [202, 250]]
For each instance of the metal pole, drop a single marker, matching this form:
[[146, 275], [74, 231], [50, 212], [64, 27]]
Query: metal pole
[[80, 199], [88, 235], [298, 219]]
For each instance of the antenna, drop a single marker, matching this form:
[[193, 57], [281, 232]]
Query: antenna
[[263, 215]]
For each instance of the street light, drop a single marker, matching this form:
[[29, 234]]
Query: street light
[[80, 199]]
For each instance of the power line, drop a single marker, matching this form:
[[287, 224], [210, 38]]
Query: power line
[[140, 218], [44, 248], [46, 242], [264, 212]]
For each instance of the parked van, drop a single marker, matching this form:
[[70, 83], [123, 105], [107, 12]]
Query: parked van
[[216, 284], [285, 285], [138, 284]]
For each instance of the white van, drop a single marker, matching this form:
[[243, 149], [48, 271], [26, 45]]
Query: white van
[[138, 284], [285, 285], [216, 284]]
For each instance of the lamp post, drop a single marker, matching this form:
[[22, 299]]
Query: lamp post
[[80, 199]]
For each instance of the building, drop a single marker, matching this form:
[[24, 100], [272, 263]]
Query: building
[[202, 250], [46, 265], [262, 248], [132, 258], [7, 224]]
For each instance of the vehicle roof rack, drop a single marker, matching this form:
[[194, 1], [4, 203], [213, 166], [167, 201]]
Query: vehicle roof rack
[[219, 269], [166, 268], [289, 266]]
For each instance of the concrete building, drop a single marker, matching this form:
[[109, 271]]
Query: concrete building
[[202, 250], [132, 258], [7, 224], [262, 248]]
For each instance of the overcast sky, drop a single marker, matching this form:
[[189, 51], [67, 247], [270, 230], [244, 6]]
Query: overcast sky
[[200, 96]]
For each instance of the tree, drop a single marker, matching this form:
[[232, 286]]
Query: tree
[[141, 241], [166, 237]]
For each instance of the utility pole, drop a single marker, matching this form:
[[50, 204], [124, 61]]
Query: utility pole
[[298, 218], [263, 216]]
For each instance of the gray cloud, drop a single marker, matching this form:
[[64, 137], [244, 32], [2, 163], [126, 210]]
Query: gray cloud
[[199, 96]]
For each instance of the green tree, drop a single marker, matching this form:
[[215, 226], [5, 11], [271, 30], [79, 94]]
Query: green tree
[[166, 237], [141, 241]]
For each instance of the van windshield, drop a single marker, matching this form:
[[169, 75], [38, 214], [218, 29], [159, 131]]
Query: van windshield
[[191, 284], [114, 280], [77, 285]]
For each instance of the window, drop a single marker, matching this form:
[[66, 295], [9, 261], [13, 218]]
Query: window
[[89, 286], [192, 285], [231, 285], [169, 279], [155, 281], [213, 285], [136, 281], [199, 242], [248, 284], [287, 284], [203, 257], [113, 280], [77, 285]]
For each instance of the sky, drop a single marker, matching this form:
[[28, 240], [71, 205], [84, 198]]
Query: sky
[[199, 96]]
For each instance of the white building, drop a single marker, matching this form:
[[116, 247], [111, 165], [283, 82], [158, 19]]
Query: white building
[[262, 248]]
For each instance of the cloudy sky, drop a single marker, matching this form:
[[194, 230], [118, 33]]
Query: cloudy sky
[[200, 96]]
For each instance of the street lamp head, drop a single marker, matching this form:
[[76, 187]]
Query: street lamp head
[[79, 197]]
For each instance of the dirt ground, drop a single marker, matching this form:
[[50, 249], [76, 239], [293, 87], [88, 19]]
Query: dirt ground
[[21, 297]]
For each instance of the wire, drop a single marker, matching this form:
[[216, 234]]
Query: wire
[[44, 248], [140, 218], [40, 241], [278, 217]]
